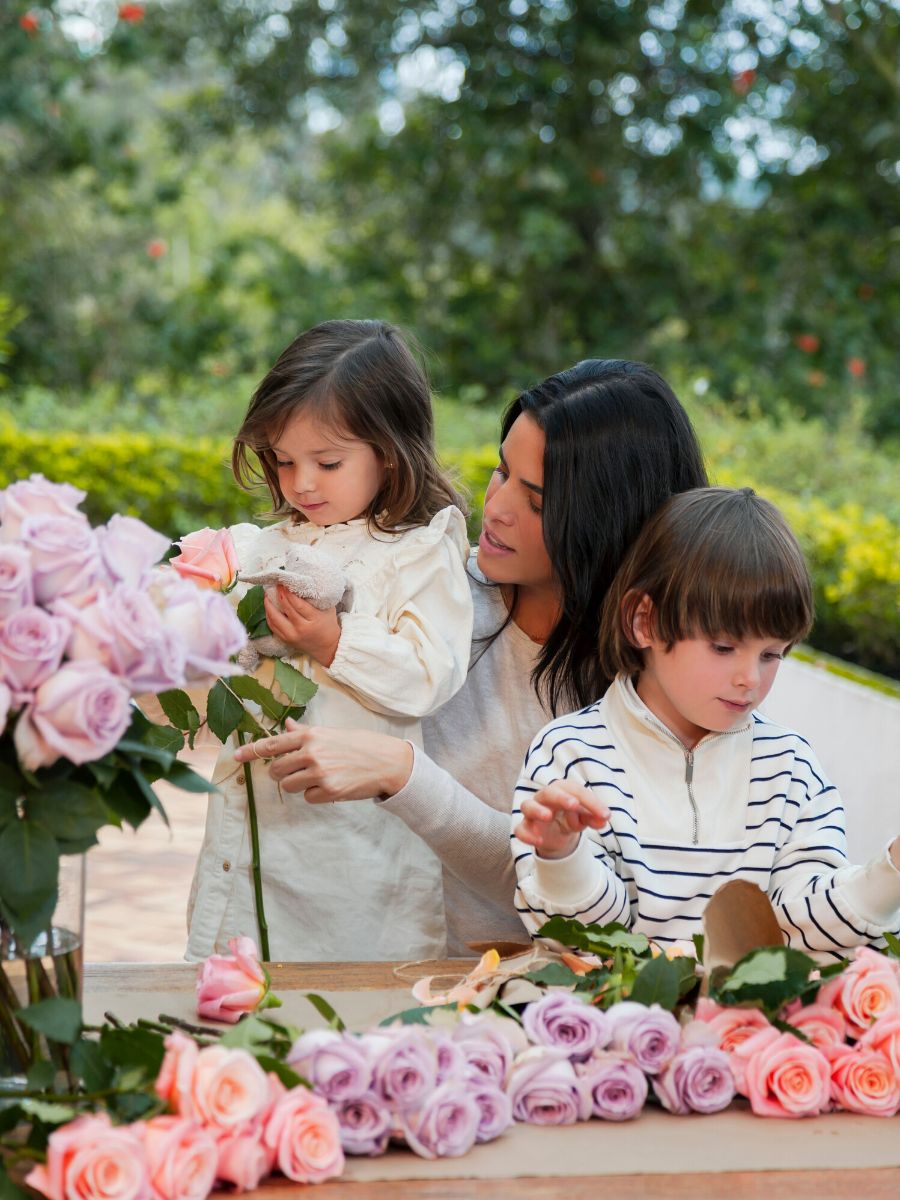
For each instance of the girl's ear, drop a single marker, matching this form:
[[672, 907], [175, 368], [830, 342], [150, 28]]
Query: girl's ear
[[641, 630]]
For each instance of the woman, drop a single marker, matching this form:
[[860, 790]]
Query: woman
[[586, 457]]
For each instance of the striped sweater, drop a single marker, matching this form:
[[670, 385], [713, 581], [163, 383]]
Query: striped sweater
[[752, 803]]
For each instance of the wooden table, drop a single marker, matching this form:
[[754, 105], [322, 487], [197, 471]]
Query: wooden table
[[832, 1151]]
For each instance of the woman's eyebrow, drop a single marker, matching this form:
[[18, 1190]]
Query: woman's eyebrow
[[532, 487]]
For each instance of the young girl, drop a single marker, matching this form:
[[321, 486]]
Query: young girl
[[342, 429], [639, 807]]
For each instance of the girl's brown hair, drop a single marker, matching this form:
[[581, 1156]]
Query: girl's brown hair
[[362, 377], [714, 562]]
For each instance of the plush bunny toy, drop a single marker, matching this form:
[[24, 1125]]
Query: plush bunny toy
[[306, 572]]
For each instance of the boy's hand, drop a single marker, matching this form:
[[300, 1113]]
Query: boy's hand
[[308, 630], [553, 818]]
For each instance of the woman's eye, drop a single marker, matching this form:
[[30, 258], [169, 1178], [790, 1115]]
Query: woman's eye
[[500, 470], [534, 508], [330, 466]]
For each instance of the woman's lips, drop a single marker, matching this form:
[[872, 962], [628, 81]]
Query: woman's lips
[[492, 544]]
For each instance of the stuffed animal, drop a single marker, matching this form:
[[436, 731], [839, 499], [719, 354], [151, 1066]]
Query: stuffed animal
[[306, 572]]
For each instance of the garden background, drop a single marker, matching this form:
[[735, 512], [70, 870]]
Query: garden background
[[709, 186]]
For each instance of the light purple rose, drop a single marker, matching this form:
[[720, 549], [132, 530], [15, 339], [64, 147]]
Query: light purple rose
[[365, 1123], [130, 549], [652, 1035], [78, 714], [445, 1125], [698, 1079], [495, 1107], [207, 625], [33, 497], [545, 1090], [404, 1062], [566, 1021], [617, 1085], [32, 643], [65, 559], [16, 589], [336, 1065], [5, 705], [122, 630], [451, 1061], [490, 1043]]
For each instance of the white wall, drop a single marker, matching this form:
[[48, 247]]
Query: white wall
[[855, 732]]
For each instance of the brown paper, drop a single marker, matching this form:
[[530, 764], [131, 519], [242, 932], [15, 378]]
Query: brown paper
[[738, 918]]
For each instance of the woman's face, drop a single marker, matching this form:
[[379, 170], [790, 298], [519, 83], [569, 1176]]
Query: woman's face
[[511, 548]]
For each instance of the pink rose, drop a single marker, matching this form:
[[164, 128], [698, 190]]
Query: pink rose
[[783, 1077], [31, 649], [173, 1084], [823, 1026], [32, 497], [181, 1158], [884, 1036], [79, 714], [732, 1026], [305, 1136], [89, 1159], [208, 557], [5, 705], [244, 1158], [65, 558], [867, 990], [130, 549], [863, 1081], [16, 588], [207, 626], [227, 1088], [229, 986]]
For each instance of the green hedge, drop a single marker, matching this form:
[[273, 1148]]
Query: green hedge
[[177, 484]]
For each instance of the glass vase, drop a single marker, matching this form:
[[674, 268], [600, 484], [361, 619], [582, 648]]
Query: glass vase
[[49, 966]]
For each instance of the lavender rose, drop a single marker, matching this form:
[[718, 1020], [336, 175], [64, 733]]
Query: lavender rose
[[489, 1043], [451, 1061], [544, 1089], [65, 559], [365, 1123], [16, 588], [495, 1107], [32, 497], [404, 1063], [130, 549], [32, 643], [445, 1125], [207, 626], [563, 1020], [698, 1079], [652, 1035], [79, 714], [616, 1084], [337, 1066]]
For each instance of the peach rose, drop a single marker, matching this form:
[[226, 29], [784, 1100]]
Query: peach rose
[[229, 986], [864, 1081], [784, 1077], [227, 1088], [732, 1026], [867, 990], [173, 1083], [823, 1026], [181, 1158], [90, 1159], [305, 1135], [244, 1158], [884, 1036], [208, 557]]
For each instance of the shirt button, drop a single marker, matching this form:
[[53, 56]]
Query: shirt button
[[226, 865]]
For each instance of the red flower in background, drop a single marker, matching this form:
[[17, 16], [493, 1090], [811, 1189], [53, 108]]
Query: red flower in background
[[815, 378], [807, 342], [743, 82], [131, 12], [29, 22], [856, 367], [156, 248]]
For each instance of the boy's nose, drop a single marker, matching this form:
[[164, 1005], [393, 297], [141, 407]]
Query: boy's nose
[[747, 674]]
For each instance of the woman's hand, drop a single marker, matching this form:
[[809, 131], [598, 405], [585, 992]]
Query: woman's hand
[[308, 630], [554, 817], [333, 764]]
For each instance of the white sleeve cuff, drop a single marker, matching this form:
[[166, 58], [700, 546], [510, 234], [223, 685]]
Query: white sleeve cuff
[[874, 890], [567, 881]]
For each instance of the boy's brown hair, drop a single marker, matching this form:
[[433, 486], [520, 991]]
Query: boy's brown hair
[[361, 377], [714, 562]]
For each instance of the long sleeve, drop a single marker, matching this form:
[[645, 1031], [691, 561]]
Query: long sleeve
[[585, 884], [404, 646]]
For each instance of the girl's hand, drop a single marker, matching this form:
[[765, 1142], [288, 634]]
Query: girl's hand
[[308, 630], [333, 764], [553, 818], [894, 850]]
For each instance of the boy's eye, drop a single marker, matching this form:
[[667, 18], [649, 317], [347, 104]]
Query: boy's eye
[[721, 648], [773, 656]]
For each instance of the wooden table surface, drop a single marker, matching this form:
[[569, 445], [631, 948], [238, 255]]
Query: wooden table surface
[[107, 984]]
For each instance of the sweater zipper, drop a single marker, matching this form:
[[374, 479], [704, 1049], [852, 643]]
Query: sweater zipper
[[689, 780]]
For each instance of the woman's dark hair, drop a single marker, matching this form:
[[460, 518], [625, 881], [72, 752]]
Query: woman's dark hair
[[617, 445], [361, 377], [715, 562]]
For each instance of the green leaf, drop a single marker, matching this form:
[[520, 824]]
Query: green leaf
[[602, 940], [251, 726], [41, 1076], [768, 977], [145, 750], [29, 872], [553, 975], [223, 711], [286, 1074], [138, 1050], [48, 1112], [70, 809], [167, 738], [324, 1009], [127, 800], [699, 942], [252, 612], [10, 1190], [89, 1065], [57, 1018], [249, 1033], [417, 1016], [249, 688], [143, 786], [181, 776], [657, 983], [893, 945], [298, 690], [179, 708], [132, 1106], [12, 784]]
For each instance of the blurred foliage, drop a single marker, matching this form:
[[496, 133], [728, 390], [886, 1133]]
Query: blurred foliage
[[707, 184]]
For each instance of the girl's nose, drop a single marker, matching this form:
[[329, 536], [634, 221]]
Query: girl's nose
[[303, 479]]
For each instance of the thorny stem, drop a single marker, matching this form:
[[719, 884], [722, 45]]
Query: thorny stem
[[261, 921]]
